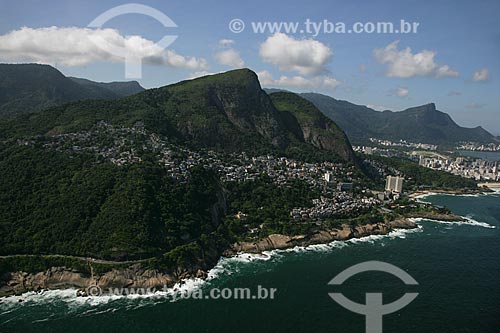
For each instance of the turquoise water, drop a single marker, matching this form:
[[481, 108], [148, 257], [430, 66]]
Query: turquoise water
[[457, 267]]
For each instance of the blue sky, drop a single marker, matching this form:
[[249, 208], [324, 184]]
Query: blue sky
[[453, 61]]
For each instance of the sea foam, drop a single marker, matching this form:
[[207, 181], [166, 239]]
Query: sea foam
[[496, 191], [69, 296], [470, 221], [225, 266], [326, 247]]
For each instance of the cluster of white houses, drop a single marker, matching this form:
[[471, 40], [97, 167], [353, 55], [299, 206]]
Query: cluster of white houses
[[122, 146], [477, 169]]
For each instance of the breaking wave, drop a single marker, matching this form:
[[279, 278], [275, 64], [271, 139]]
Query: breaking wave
[[228, 266], [470, 221]]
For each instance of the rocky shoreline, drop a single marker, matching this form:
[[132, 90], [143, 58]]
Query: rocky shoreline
[[438, 216], [320, 236], [481, 190], [137, 276]]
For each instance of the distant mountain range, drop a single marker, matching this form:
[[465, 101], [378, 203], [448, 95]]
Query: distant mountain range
[[27, 88], [418, 124], [119, 89], [122, 178], [226, 112], [158, 203], [30, 88]]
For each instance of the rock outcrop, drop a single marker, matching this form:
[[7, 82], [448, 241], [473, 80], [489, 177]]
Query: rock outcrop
[[277, 241], [134, 276], [438, 216], [138, 276]]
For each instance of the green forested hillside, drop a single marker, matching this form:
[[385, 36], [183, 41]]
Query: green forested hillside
[[64, 199], [51, 203], [120, 89], [55, 202], [309, 125], [418, 124], [28, 88], [226, 112]]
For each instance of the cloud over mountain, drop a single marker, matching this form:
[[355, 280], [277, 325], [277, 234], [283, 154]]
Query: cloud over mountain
[[320, 82], [73, 46], [227, 55], [405, 64], [304, 56]]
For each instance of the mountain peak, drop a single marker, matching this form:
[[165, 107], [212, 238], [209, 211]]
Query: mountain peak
[[118, 88], [430, 107], [235, 76], [29, 88], [309, 125], [425, 108], [422, 123], [30, 71]]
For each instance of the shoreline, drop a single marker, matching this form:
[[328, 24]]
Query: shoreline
[[137, 276], [490, 185], [421, 193], [320, 236]]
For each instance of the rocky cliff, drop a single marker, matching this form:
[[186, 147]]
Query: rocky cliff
[[321, 236], [135, 276], [139, 276], [310, 126]]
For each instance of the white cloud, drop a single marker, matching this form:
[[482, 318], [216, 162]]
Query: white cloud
[[228, 56], [226, 42], [405, 64], [73, 46], [321, 82], [445, 71], [481, 75], [305, 56], [402, 92], [329, 82]]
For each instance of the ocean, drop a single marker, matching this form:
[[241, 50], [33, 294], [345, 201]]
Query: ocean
[[485, 155], [456, 265]]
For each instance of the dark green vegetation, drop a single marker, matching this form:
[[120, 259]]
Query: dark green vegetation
[[226, 112], [407, 207], [422, 124], [267, 206], [230, 112], [120, 89], [53, 204], [33, 264], [39, 264], [308, 125], [28, 88], [74, 204], [368, 216]]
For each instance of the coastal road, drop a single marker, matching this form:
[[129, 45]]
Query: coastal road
[[85, 259]]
